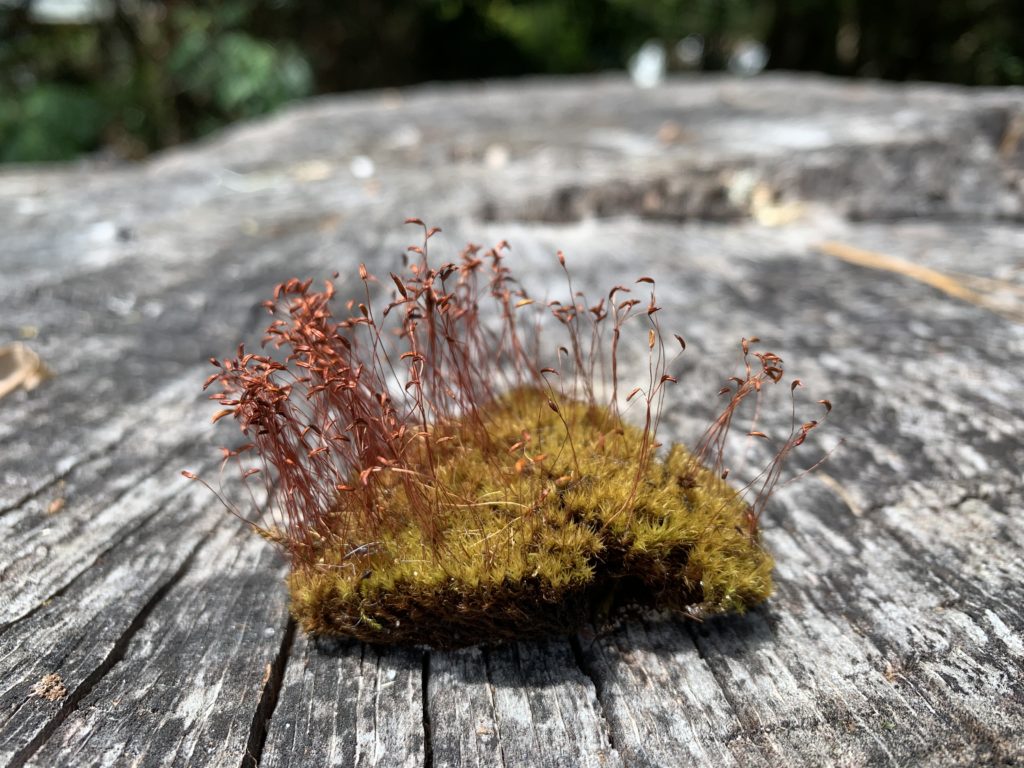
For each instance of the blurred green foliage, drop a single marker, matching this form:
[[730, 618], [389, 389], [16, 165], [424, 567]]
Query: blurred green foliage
[[138, 74], [144, 76]]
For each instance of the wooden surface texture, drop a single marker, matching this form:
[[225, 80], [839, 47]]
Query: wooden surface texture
[[872, 235]]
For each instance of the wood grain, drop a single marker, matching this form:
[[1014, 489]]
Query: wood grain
[[142, 625]]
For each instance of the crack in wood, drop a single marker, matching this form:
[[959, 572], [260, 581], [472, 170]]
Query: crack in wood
[[744, 730], [268, 699], [58, 477], [20, 758], [428, 742], [595, 681], [127, 424], [488, 678], [967, 730], [123, 534], [894, 634]]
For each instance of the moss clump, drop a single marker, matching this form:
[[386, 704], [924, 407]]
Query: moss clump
[[430, 486], [537, 540]]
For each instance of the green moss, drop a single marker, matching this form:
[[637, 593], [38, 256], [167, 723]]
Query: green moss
[[539, 540]]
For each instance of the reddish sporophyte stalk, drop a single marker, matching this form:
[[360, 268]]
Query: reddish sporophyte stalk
[[341, 413]]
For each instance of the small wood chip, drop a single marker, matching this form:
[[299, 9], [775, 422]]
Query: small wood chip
[[20, 368], [51, 688]]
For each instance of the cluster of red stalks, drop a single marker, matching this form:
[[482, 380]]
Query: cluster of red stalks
[[371, 396]]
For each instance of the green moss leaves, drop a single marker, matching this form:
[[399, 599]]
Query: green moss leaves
[[531, 548]]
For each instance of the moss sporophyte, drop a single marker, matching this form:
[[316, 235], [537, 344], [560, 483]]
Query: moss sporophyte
[[439, 475]]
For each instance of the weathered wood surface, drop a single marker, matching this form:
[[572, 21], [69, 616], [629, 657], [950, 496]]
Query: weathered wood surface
[[896, 635]]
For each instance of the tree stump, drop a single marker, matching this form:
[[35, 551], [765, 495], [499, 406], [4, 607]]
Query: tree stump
[[872, 235]]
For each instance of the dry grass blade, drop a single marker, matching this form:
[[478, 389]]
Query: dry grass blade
[[980, 291]]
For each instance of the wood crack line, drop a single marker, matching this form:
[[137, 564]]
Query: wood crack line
[[177, 451], [272, 682], [62, 475], [584, 667], [116, 654], [486, 656], [428, 736], [740, 728]]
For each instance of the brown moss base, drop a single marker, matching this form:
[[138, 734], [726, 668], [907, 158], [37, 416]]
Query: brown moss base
[[454, 615], [449, 619]]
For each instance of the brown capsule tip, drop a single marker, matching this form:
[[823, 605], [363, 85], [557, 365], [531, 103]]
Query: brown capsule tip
[[221, 414], [399, 285]]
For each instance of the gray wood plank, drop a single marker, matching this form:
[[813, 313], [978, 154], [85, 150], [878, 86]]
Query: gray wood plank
[[893, 590], [83, 632], [159, 341], [520, 704], [896, 633], [461, 710], [546, 710], [56, 535], [189, 685], [662, 701], [346, 704]]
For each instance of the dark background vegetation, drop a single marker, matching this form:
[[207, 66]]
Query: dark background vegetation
[[130, 76]]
